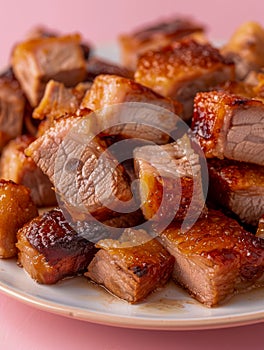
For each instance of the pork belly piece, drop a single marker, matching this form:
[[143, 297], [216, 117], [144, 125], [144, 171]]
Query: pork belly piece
[[126, 220], [97, 66], [58, 101], [12, 108], [260, 230], [49, 249], [156, 35], [229, 126], [82, 177], [16, 208], [16, 166], [108, 90], [37, 61], [182, 69], [44, 32], [246, 48], [132, 267], [169, 181], [239, 187], [215, 258]]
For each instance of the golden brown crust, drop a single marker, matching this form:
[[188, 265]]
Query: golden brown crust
[[16, 208], [217, 235], [179, 61], [236, 176], [16, 166], [156, 36], [36, 61], [213, 112], [132, 268], [49, 249]]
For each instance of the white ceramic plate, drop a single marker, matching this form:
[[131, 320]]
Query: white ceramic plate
[[170, 308]]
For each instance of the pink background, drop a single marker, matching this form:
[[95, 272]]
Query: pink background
[[24, 327], [102, 20]]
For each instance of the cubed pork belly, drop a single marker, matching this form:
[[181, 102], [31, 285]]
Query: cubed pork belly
[[215, 258], [246, 48], [37, 61], [239, 187], [96, 66], [16, 209], [260, 230], [83, 173], [58, 101], [16, 166], [49, 248], [132, 267], [155, 35], [182, 69], [170, 182], [133, 121], [230, 126], [45, 32], [12, 108]]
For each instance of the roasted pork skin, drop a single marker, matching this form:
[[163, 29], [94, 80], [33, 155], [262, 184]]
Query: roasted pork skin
[[216, 258], [132, 267], [49, 248]]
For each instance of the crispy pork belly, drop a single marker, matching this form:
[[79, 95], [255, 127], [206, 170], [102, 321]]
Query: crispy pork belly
[[246, 48], [12, 108], [229, 126], [108, 90], [49, 249], [44, 32], [16, 209], [182, 69], [37, 61], [84, 179], [260, 230], [132, 267], [215, 258], [239, 187], [97, 66], [156, 35], [169, 181], [58, 101], [126, 220], [16, 166]]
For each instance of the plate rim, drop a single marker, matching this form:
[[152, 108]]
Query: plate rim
[[132, 322]]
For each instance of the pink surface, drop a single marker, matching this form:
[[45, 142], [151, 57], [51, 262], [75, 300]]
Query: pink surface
[[103, 20], [24, 327]]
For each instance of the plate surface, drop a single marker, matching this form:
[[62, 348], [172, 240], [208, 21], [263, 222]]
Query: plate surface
[[170, 308]]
